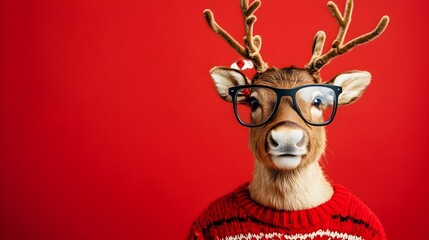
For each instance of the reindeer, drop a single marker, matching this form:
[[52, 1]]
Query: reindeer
[[286, 110]]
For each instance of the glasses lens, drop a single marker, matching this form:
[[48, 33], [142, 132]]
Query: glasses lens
[[316, 103], [255, 105]]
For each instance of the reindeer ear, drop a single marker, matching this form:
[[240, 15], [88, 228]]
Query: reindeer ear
[[224, 78], [353, 84]]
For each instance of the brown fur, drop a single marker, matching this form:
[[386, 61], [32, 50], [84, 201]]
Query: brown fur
[[269, 183], [286, 78]]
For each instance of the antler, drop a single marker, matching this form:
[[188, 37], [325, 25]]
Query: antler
[[318, 60], [252, 43]]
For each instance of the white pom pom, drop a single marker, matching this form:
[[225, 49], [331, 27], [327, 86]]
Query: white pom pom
[[242, 64]]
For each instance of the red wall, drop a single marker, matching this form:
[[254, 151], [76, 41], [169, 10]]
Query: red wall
[[110, 127]]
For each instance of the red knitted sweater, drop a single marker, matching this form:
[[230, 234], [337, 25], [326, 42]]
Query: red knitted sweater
[[237, 216]]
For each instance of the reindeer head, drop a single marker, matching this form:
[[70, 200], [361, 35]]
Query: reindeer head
[[286, 108]]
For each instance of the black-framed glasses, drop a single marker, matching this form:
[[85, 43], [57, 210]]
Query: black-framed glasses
[[255, 105]]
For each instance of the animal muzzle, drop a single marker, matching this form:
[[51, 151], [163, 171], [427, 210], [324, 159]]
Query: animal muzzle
[[286, 144]]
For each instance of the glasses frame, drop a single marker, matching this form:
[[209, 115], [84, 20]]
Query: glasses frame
[[291, 92]]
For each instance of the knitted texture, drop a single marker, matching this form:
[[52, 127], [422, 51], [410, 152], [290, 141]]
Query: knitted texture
[[237, 216]]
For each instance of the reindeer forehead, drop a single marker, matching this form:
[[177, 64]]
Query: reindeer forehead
[[284, 78]]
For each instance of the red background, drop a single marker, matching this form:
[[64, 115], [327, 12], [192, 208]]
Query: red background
[[110, 127]]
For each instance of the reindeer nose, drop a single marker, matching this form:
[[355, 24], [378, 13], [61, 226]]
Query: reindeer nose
[[273, 142], [287, 139]]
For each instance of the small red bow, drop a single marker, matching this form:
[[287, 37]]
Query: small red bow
[[246, 92]]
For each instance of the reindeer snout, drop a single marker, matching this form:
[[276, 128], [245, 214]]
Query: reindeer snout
[[287, 139]]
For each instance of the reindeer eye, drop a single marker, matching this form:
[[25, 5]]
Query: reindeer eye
[[317, 102], [253, 103]]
